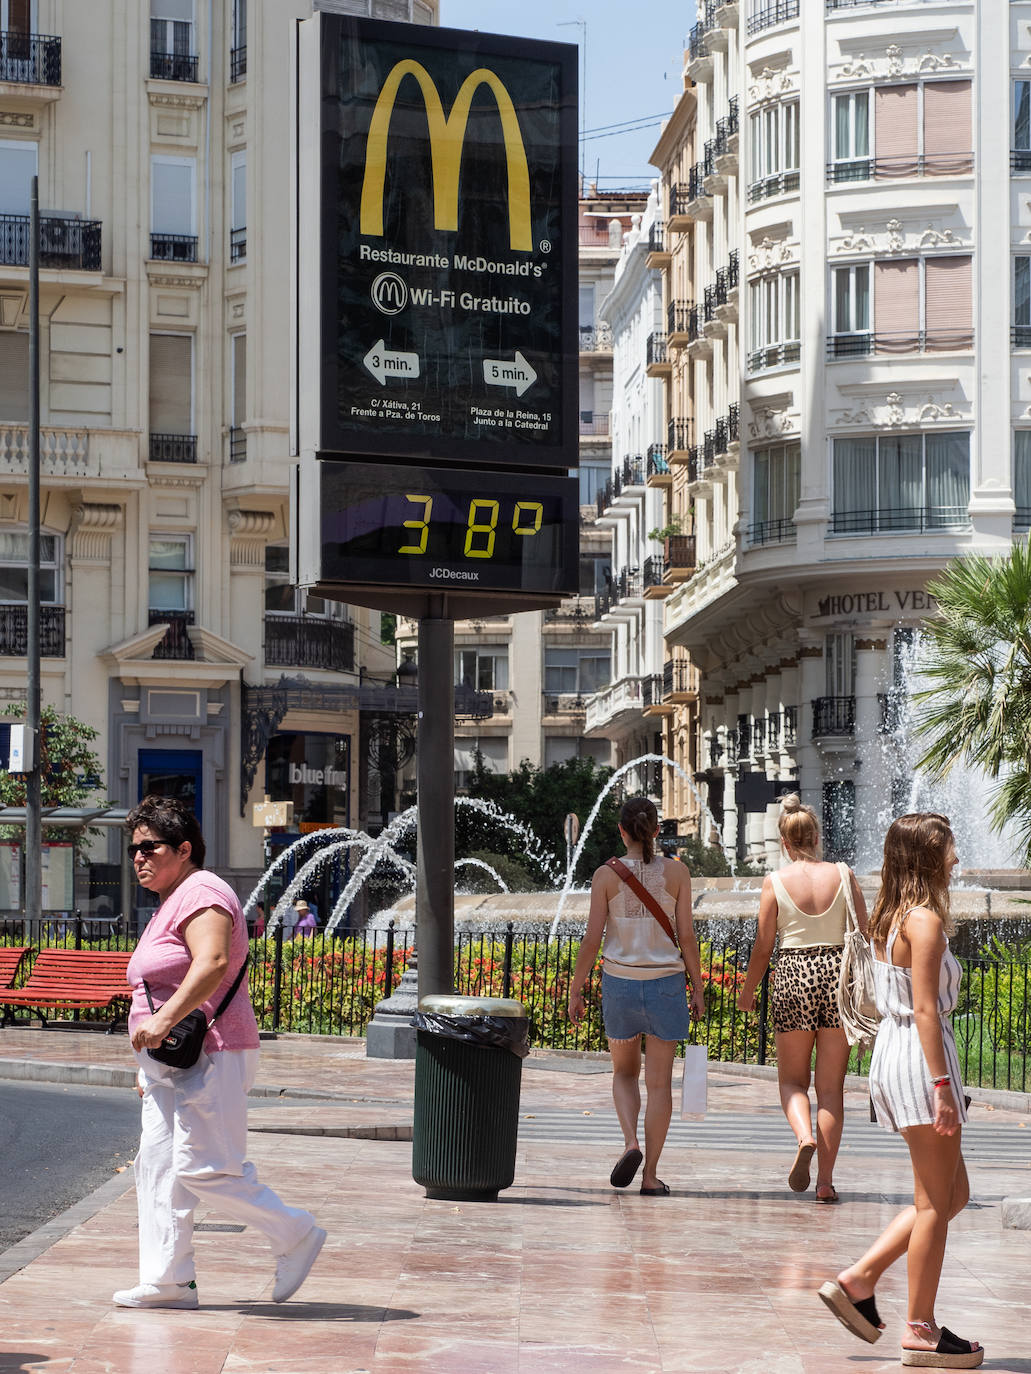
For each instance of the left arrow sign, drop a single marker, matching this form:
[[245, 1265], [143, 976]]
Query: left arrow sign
[[384, 364]]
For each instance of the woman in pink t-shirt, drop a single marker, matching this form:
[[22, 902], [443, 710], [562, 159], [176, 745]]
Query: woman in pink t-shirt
[[194, 1134]]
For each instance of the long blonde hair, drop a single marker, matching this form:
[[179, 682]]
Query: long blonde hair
[[799, 827], [915, 871]]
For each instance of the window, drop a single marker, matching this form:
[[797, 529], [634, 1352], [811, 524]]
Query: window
[[773, 321], [852, 136], [18, 162], [16, 17], [493, 753], [238, 209], [595, 571], [283, 598], [14, 571], [14, 377], [907, 305], [775, 155], [484, 670], [1021, 156], [171, 384], [1022, 301], [1022, 479], [173, 221], [237, 437], [852, 309], [576, 672], [171, 40], [592, 478], [839, 656], [901, 482], [238, 42], [776, 486], [171, 572]]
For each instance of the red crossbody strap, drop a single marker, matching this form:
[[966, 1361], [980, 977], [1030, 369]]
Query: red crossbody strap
[[646, 898]]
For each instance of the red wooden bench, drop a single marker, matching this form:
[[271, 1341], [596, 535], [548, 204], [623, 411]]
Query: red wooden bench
[[72, 980], [10, 959]]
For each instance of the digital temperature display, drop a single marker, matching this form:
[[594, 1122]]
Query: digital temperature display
[[448, 529]]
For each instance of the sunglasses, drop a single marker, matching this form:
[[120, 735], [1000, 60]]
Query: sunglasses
[[146, 848]]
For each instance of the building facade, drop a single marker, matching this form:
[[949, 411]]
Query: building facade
[[160, 135], [883, 301]]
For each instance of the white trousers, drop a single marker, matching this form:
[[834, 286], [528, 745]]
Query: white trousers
[[192, 1150]]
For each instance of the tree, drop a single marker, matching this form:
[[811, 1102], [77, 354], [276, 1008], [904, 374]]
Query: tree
[[977, 663], [70, 771], [541, 798]]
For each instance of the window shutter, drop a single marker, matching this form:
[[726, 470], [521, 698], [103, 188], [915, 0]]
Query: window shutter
[[947, 303], [895, 126], [239, 379], [14, 377], [897, 306], [170, 383], [947, 128]]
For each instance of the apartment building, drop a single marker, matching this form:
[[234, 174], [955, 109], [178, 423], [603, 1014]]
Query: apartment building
[[160, 135], [542, 667], [881, 233]]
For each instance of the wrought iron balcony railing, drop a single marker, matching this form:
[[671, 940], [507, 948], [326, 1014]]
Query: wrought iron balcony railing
[[651, 689], [911, 519], [237, 64], [834, 716], [64, 242], [173, 66], [237, 245], [790, 725], [176, 642], [679, 197], [772, 532], [776, 184], [733, 117], [657, 238], [173, 448], [632, 472], [656, 459], [693, 463], [678, 317], [14, 631], [651, 575], [300, 641], [655, 350], [30, 59], [679, 435], [901, 166], [766, 13], [237, 445], [774, 355], [733, 423], [676, 676], [680, 552], [173, 247]]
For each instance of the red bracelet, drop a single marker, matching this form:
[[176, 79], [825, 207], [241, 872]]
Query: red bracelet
[[942, 1082]]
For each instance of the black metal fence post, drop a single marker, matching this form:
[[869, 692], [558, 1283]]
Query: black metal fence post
[[277, 975], [506, 986], [78, 929], [764, 1002], [388, 972]]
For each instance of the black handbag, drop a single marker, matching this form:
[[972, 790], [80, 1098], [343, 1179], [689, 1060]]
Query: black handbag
[[182, 1045]]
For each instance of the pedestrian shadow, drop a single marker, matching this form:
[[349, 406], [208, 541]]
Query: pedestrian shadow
[[313, 1312], [11, 1360]]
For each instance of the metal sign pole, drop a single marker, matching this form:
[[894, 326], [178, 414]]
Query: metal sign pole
[[33, 794], [435, 894]]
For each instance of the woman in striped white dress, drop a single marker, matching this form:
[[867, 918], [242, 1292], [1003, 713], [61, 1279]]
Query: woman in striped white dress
[[915, 1089]]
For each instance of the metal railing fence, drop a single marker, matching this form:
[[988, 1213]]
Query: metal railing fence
[[329, 984]]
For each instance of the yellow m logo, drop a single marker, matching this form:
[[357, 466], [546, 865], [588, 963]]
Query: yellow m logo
[[447, 136]]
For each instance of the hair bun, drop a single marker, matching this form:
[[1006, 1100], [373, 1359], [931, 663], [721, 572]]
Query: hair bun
[[791, 803]]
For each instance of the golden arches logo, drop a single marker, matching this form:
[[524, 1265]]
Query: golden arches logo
[[447, 137]]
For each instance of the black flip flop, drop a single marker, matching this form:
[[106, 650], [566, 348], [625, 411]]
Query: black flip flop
[[626, 1167], [661, 1191]]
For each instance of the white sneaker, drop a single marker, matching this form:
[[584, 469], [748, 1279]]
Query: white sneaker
[[157, 1295], [293, 1267]]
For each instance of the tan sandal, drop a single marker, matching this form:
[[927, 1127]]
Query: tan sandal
[[951, 1352], [798, 1179]]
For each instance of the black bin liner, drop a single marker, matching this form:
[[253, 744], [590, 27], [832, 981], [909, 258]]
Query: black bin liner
[[510, 1033]]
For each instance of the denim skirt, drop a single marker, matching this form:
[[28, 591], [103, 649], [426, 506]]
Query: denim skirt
[[645, 1006]]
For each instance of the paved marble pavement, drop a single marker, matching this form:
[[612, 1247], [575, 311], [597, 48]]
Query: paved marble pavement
[[563, 1273]]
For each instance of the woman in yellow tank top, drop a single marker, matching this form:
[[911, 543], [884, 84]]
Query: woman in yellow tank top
[[803, 906]]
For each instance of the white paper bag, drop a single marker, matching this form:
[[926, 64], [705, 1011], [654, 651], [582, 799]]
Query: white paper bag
[[694, 1089]]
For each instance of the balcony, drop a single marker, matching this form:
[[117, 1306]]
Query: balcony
[[905, 166], [657, 473], [655, 589], [678, 319], [176, 642], [700, 198], [680, 558], [652, 703], [767, 13], [65, 243], [173, 247], [237, 445], [570, 706], [299, 641], [678, 440], [173, 448], [593, 426], [173, 66], [656, 356], [679, 214], [776, 184], [834, 716], [900, 519], [790, 726], [237, 245], [30, 59], [699, 345], [237, 65], [14, 631], [658, 247], [772, 532], [619, 702], [676, 681], [631, 474], [595, 338], [773, 727], [1020, 336], [784, 354]]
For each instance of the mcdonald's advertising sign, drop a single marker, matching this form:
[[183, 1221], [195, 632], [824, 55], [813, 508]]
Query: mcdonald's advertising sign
[[436, 245]]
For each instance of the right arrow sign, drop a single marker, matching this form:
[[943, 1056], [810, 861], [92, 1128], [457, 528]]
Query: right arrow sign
[[518, 373]]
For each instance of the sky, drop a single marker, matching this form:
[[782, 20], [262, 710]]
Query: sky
[[634, 61]]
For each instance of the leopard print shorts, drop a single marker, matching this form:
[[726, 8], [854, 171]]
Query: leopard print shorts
[[805, 984]]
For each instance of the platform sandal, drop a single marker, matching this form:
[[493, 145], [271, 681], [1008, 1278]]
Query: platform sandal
[[951, 1352]]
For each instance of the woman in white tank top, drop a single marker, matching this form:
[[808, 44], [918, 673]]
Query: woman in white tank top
[[802, 907]]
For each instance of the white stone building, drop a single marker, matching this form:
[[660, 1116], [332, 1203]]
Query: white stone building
[[159, 130]]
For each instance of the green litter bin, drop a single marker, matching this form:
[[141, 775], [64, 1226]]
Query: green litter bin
[[468, 1067]]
